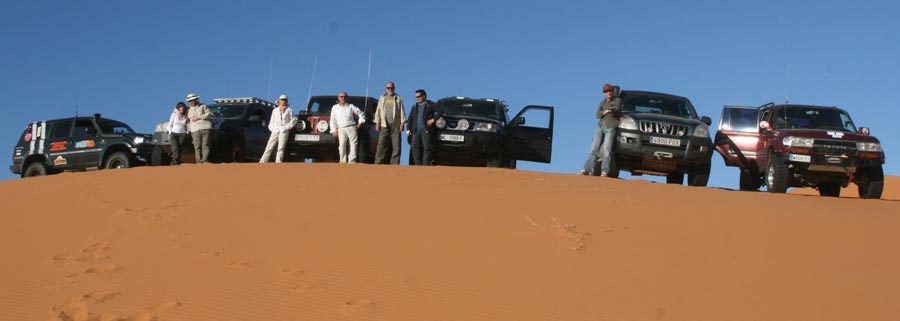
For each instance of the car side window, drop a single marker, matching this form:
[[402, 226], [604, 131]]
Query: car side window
[[767, 117], [84, 127], [60, 129]]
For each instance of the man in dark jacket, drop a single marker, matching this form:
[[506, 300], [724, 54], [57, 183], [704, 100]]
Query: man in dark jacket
[[420, 125]]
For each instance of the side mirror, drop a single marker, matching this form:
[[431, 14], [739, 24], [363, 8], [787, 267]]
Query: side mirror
[[706, 120], [764, 125], [519, 121], [864, 131]]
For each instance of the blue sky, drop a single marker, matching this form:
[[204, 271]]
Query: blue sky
[[134, 61]]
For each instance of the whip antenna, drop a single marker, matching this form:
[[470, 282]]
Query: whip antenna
[[311, 80], [368, 76], [269, 91]]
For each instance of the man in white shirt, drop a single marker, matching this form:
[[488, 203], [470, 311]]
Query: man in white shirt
[[344, 124], [280, 125]]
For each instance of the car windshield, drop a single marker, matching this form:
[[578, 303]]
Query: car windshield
[[227, 111], [109, 126], [489, 109], [323, 105], [814, 118], [658, 105]]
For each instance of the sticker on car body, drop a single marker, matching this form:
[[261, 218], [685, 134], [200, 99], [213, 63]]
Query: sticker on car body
[[60, 161], [85, 144], [58, 146]]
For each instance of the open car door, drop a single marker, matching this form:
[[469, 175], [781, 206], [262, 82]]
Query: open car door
[[531, 141], [738, 136]]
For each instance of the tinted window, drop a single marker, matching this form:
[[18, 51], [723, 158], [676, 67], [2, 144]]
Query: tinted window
[[227, 111], [814, 118], [108, 126], [489, 109], [84, 127], [59, 129], [658, 105], [741, 119], [323, 105]]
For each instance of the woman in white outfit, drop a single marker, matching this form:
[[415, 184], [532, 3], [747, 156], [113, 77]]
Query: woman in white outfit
[[178, 131], [345, 120], [280, 125]]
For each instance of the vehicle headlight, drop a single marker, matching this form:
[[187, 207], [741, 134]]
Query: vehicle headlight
[[791, 141], [440, 123], [462, 124], [300, 126], [868, 147], [701, 131], [162, 127], [322, 126], [626, 122], [486, 127], [139, 140]]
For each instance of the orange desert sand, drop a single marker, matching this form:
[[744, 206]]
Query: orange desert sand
[[367, 242]]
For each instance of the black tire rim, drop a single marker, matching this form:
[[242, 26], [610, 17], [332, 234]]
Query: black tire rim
[[33, 171], [116, 163]]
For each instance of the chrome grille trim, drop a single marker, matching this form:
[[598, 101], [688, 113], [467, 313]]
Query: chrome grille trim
[[653, 127]]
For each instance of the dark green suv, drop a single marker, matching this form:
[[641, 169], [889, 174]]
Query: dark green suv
[[79, 143]]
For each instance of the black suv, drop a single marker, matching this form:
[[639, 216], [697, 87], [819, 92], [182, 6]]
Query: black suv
[[240, 132], [79, 143], [479, 132], [311, 136], [661, 134]]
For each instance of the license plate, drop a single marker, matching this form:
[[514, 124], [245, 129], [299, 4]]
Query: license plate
[[306, 138], [799, 158], [452, 138], [665, 141]]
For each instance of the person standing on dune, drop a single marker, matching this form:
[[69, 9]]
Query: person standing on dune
[[608, 113], [178, 131], [280, 125], [389, 119], [344, 124], [200, 127]]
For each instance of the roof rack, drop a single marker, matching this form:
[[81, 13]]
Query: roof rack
[[244, 100], [769, 104]]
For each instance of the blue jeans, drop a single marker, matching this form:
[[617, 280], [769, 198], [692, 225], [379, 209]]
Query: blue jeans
[[603, 139]]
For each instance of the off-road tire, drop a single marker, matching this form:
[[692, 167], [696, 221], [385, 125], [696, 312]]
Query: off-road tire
[[34, 169], [749, 180], [699, 176], [675, 178], [118, 160], [873, 183], [830, 189], [159, 157], [776, 174]]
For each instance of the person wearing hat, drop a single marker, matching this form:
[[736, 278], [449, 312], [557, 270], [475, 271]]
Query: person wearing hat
[[200, 127], [280, 125], [344, 124], [607, 112]]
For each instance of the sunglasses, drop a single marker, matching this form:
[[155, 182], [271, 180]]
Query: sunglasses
[[342, 96], [391, 88], [419, 96]]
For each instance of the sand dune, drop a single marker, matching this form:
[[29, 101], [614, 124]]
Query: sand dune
[[891, 190], [364, 242]]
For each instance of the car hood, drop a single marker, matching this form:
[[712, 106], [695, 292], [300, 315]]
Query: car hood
[[470, 117], [664, 118], [828, 134]]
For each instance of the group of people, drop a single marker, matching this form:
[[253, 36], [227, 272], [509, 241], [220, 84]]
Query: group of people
[[390, 117], [601, 146]]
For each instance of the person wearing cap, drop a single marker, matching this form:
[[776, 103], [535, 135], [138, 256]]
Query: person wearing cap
[[280, 125], [200, 127], [344, 124], [608, 113], [178, 131], [389, 119], [422, 116]]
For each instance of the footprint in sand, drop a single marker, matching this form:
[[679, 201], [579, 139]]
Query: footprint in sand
[[93, 253], [165, 306], [103, 268], [292, 273], [212, 253], [360, 302], [241, 265]]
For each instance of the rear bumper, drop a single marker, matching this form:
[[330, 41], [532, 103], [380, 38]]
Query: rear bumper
[[634, 148]]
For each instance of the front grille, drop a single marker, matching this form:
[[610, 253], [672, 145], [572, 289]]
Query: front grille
[[653, 127], [834, 147]]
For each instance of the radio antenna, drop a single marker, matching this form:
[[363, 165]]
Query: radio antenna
[[76, 103], [368, 77], [269, 90], [311, 80]]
